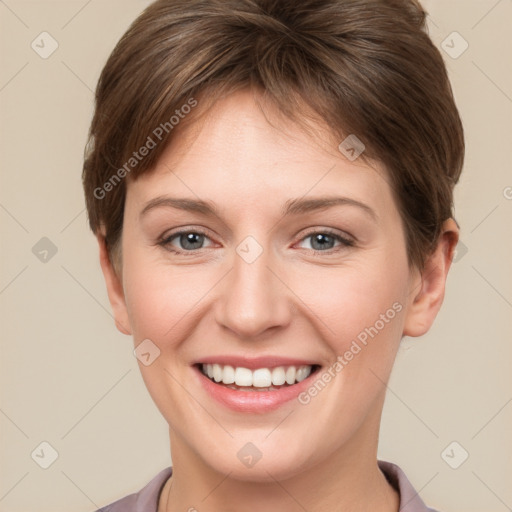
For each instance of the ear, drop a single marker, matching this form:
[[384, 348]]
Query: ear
[[114, 288], [426, 292]]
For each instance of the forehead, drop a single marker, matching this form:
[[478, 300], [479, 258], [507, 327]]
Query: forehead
[[243, 150]]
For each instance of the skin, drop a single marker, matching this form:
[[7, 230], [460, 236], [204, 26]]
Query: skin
[[292, 301]]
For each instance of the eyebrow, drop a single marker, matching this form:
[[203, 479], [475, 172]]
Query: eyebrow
[[297, 206], [291, 207]]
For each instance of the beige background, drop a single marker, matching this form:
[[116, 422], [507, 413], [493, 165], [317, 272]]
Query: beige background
[[70, 379]]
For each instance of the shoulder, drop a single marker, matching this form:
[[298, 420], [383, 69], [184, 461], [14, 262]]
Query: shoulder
[[146, 500], [410, 500]]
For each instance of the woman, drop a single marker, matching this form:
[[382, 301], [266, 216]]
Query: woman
[[270, 184]]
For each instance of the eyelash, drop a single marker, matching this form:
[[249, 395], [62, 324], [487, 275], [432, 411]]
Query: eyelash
[[345, 242]]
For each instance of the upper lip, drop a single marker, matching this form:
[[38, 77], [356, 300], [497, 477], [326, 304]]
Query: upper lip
[[253, 363]]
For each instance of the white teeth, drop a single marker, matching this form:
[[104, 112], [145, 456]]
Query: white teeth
[[217, 373], [301, 374], [278, 376], [243, 377], [262, 378], [290, 375], [228, 375], [259, 378]]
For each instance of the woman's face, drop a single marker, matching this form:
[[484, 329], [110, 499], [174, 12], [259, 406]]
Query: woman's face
[[269, 281]]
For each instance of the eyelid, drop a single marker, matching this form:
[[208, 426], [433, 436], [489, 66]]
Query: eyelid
[[345, 239], [165, 239], [183, 230], [328, 231]]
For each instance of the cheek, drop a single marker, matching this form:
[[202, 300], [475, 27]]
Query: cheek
[[350, 299], [161, 299]]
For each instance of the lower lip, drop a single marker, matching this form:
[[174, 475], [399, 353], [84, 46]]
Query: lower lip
[[253, 401]]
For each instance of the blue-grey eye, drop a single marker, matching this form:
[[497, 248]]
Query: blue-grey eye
[[191, 240], [324, 241], [321, 241], [187, 241]]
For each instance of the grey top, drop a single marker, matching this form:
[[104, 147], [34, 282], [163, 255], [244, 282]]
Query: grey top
[[146, 500]]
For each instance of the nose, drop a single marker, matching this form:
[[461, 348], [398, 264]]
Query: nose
[[253, 298]]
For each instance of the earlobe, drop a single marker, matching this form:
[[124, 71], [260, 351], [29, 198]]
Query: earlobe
[[427, 289], [114, 288]]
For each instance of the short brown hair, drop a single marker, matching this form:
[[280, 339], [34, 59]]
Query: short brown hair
[[365, 67]]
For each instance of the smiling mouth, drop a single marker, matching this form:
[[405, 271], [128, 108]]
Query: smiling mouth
[[260, 379]]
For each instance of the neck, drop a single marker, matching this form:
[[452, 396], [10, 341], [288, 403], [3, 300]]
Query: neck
[[349, 479]]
